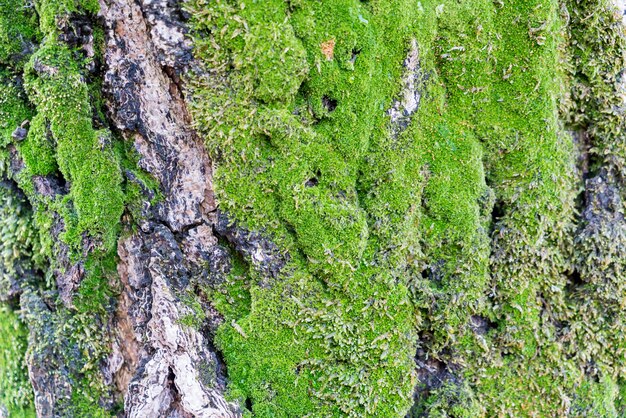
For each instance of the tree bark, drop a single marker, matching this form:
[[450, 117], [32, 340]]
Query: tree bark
[[312, 208]]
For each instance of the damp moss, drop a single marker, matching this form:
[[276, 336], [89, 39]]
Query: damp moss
[[14, 109], [21, 250], [18, 31]]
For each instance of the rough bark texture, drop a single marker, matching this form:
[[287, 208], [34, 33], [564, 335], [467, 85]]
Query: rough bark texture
[[304, 208], [174, 371]]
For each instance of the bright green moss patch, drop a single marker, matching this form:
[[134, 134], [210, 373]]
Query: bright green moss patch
[[471, 207], [38, 149], [333, 336], [16, 394], [497, 63], [55, 85], [18, 31], [52, 13], [13, 107]]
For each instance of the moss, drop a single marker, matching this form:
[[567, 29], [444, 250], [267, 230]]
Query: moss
[[52, 89], [71, 345], [37, 150], [472, 207], [21, 250], [298, 149], [457, 233], [597, 50], [20, 253], [195, 316], [595, 399], [53, 13], [450, 400], [95, 290], [140, 187], [56, 87], [18, 31], [13, 107], [16, 393]]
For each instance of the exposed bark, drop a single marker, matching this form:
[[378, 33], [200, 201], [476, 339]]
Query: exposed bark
[[174, 372]]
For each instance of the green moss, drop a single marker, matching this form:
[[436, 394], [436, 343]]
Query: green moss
[[595, 399], [19, 244], [63, 142], [398, 236], [37, 150], [18, 31], [288, 163], [16, 393], [472, 207], [19, 251], [13, 107], [53, 13], [140, 187], [196, 315], [56, 87], [72, 344], [450, 400]]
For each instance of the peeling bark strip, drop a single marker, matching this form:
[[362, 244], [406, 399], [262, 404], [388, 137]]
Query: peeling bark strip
[[169, 368]]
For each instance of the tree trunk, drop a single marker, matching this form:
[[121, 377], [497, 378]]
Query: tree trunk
[[304, 208]]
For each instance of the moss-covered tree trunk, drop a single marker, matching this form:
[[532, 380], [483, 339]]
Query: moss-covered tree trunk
[[312, 208]]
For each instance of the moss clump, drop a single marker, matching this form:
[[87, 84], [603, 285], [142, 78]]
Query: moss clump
[[547, 329], [19, 244], [275, 59], [53, 13], [471, 206], [16, 394], [18, 32], [452, 399], [13, 107], [290, 151], [38, 149], [57, 89]]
